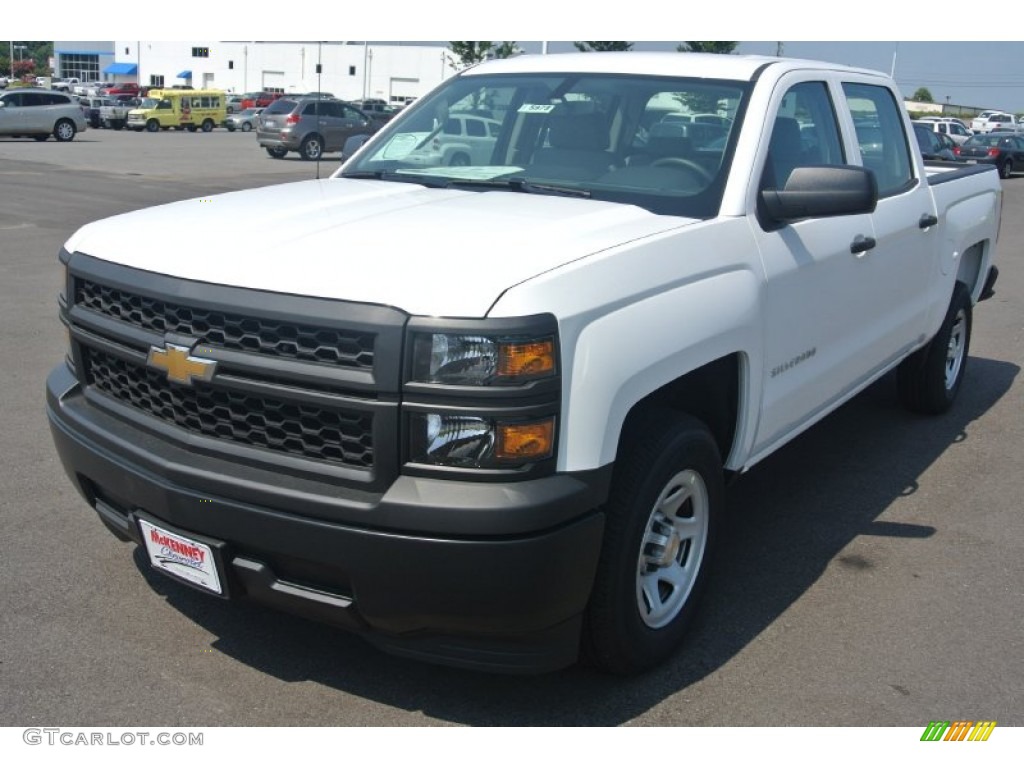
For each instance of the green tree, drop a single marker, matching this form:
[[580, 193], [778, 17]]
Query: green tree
[[922, 94], [597, 45], [469, 52], [707, 47]]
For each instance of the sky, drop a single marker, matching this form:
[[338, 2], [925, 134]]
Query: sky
[[970, 72]]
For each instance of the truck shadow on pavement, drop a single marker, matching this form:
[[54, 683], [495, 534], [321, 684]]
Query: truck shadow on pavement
[[789, 518]]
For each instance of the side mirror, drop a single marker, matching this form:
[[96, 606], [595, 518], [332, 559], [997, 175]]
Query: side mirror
[[352, 145], [822, 191]]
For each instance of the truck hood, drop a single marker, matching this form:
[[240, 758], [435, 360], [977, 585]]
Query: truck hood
[[426, 251]]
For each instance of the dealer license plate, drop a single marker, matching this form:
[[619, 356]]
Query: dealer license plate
[[972, 162], [181, 556]]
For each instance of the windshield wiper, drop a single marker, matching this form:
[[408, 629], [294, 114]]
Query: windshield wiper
[[521, 185], [426, 181]]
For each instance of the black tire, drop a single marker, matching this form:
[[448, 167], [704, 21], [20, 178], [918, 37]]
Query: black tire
[[312, 147], [246, 127], [192, 128], [1006, 171], [153, 125], [41, 136], [138, 130], [207, 125], [64, 130], [459, 158], [117, 125], [230, 127], [930, 379], [660, 530], [276, 152]]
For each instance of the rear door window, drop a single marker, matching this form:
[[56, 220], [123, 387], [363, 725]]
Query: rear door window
[[883, 143]]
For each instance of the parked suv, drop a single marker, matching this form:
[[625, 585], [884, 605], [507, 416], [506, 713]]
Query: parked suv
[[311, 127], [39, 113]]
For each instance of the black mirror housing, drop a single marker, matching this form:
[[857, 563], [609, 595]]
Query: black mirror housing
[[821, 191]]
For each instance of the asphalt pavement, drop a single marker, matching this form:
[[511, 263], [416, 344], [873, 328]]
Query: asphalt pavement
[[871, 572]]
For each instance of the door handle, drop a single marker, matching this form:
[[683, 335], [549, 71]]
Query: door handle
[[927, 220], [861, 244]]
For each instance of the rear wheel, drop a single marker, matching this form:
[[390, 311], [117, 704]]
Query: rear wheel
[[64, 130], [661, 518], [1007, 170], [312, 148], [459, 158], [153, 125], [207, 125], [930, 379], [277, 152]]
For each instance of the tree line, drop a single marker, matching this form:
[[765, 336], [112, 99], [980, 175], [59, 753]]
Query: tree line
[[466, 53]]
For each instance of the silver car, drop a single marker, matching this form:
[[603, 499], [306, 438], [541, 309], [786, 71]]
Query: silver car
[[40, 113], [311, 126], [244, 120]]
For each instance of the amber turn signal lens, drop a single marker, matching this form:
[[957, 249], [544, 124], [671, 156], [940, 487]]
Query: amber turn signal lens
[[530, 360], [526, 442]]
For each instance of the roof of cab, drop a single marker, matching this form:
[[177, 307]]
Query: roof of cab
[[711, 65]]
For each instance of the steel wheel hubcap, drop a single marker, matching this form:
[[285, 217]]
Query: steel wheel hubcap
[[955, 350], [672, 549]]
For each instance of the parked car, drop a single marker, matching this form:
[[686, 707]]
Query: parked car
[[131, 89], [234, 103], [93, 109], [40, 113], [955, 129], [1003, 150], [3, 82], [243, 121], [992, 121], [262, 99], [293, 125], [931, 143], [377, 109]]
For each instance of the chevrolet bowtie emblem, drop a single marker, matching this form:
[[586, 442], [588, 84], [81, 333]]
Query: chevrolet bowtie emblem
[[180, 366]]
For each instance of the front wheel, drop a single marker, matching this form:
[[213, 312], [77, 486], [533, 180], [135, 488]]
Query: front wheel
[[64, 130], [153, 126], [1007, 170], [246, 127], [930, 378], [661, 519], [207, 125]]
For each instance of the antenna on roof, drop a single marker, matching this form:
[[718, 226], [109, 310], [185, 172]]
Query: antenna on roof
[[319, 92]]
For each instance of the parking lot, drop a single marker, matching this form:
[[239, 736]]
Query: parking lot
[[871, 572]]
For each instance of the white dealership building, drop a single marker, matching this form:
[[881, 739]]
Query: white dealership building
[[350, 70]]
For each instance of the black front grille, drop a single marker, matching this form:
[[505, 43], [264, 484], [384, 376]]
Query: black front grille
[[350, 349], [333, 435]]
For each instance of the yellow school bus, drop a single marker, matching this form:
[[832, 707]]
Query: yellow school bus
[[179, 108]]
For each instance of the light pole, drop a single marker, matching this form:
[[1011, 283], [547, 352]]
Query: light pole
[[16, 48]]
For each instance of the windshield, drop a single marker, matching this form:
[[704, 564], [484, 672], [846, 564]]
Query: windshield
[[661, 143]]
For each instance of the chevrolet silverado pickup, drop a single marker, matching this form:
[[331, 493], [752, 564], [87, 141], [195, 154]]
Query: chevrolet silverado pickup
[[503, 436]]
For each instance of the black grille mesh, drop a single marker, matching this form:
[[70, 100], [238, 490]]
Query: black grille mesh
[[230, 331], [333, 435]]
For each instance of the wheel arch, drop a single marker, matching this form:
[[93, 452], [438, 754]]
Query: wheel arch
[[693, 349]]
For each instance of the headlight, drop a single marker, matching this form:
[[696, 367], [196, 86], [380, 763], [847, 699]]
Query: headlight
[[472, 360], [457, 440]]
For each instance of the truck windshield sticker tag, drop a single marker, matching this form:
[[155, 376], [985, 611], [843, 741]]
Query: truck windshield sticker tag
[[794, 362], [536, 109]]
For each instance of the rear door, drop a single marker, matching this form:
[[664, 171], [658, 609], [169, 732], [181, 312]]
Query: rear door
[[903, 263]]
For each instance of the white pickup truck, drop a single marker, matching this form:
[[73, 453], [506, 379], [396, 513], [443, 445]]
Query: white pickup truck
[[483, 414]]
